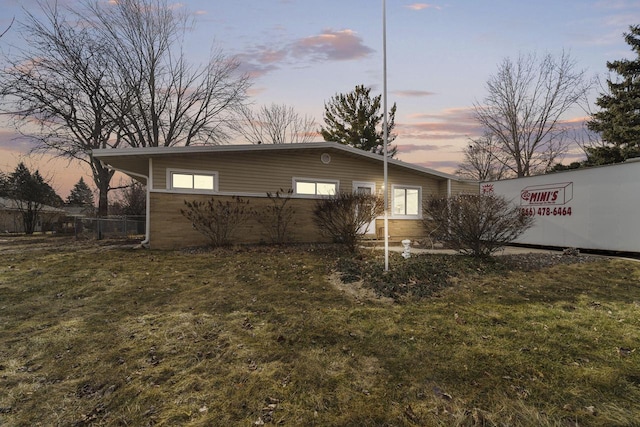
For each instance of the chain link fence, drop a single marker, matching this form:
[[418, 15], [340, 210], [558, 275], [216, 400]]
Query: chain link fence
[[129, 227]]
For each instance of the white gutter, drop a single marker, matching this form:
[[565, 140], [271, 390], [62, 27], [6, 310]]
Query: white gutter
[[147, 219]]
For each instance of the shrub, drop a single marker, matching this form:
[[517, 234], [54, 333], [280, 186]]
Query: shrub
[[344, 216], [477, 224], [277, 217], [216, 219], [420, 276]]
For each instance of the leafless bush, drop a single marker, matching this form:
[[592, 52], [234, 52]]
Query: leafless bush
[[475, 224], [344, 216], [277, 217], [216, 219]]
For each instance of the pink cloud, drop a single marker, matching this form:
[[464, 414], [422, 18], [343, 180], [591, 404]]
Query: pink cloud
[[251, 65], [255, 91], [441, 165], [329, 45], [450, 114], [421, 6], [450, 124], [14, 142], [176, 6], [412, 93], [270, 56], [332, 45], [412, 148]]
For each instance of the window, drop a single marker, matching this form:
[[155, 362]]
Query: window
[[406, 201], [181, 180], [315, 188]]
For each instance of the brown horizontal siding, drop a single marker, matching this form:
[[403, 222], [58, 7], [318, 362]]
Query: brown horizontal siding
[[464, 187], [443, 189], [261, 172], [457, 187]]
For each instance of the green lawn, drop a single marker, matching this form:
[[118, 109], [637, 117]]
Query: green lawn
[[95, 335]]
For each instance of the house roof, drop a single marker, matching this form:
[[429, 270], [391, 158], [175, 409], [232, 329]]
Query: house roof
[[135, 160], [7, 204]]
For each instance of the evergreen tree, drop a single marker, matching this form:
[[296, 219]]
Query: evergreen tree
[[354, 119], [4, 184], [618, 121], [30, 193], [81, 195]]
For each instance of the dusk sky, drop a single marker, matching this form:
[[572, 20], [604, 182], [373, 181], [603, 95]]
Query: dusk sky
[[440, 55]]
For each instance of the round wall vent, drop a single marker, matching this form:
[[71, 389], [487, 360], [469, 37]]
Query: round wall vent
[[325, 158]]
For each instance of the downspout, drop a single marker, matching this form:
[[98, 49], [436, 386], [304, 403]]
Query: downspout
[[448, 187], [147, 219]]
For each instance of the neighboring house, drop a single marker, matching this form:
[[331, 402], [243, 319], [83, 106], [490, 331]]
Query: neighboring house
[[311, 170], [11, 217]]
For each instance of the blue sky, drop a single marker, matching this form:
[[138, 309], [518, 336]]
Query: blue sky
[[439, 56]]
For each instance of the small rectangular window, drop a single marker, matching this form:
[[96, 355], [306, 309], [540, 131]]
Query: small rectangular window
[[406, 201], [181, 180], [316, 188], [193, 181], [305, 188], [203, 182], [326, 188]]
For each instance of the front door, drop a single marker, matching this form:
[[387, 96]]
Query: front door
[[366, 188]]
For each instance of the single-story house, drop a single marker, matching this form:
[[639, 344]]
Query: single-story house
[[174, 175], [11, 220]]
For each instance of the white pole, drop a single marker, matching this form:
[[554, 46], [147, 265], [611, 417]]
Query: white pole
[[386, 136]]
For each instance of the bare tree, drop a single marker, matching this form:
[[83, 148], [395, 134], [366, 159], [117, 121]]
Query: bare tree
[[57, 86], [110, 74], [276, 124], [523, 109], [169, 101], [130, 199], [8, 28], [483, 160]]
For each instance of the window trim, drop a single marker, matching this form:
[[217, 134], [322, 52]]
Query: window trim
[[406, 187], [316, 181], [193, 172], [368, 184]]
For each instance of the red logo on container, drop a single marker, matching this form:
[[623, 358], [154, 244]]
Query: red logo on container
[[550, 194], [487, 188]]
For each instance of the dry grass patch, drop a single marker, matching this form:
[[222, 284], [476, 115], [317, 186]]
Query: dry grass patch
[[115, 336]]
